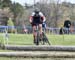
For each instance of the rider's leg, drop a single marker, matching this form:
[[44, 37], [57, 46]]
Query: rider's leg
[[40, 30], [34, 33]]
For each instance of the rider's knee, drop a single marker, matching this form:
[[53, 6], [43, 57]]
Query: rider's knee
[[40, 26]]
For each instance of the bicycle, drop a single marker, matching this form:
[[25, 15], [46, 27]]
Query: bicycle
[[38, 38]]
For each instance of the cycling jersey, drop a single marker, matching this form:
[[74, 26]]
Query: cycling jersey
[[37, 18]]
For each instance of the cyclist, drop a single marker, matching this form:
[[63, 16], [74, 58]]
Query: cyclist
[[44, 26], [37, 17]]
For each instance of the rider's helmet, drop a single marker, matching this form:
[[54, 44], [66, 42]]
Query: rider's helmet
[[36, 10]]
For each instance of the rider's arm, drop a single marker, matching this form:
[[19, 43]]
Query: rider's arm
[[42, 16], [31, 17]]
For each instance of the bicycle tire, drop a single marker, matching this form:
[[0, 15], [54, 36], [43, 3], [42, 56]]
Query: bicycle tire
[[45, 39]]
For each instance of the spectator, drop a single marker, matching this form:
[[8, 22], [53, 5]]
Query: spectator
[[67, 25]]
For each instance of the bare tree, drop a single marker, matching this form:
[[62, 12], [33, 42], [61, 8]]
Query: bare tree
[[51, 9]]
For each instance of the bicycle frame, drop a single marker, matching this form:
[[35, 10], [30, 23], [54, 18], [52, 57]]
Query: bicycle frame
[[44, 39]]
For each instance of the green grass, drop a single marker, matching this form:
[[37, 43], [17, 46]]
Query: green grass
[[62, 39], [17, 58], [27, 39], [4, 50]]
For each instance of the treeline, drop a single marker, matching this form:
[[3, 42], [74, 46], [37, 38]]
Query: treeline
[[10, 10], [56, 12]]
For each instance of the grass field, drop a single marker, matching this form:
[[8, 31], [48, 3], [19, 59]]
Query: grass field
[[27, 39], [13, 58]]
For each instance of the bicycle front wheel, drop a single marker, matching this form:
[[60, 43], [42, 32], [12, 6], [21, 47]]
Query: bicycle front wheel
[[37, 39]]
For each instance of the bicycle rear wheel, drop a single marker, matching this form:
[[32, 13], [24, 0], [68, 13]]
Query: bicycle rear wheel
[[45, 39]]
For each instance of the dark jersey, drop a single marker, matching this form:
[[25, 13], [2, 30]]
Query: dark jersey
[[67, 24], [36, 18]]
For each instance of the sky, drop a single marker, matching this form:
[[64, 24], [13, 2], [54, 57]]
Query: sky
[[22, 2]]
